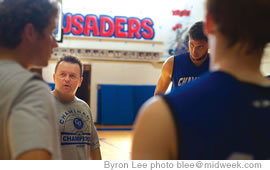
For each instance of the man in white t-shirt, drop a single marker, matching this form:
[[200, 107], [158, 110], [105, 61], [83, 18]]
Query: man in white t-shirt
[[79, 139]]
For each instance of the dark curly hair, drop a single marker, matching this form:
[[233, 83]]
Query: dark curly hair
[[196, 32], [15, 14], [70, 59]]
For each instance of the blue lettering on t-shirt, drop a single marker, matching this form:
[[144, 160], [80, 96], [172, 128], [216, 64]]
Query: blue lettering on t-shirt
[[73, 138]]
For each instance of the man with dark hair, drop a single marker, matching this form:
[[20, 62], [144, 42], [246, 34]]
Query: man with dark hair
[[186, 67], [27, 117], [79, 139], [70, 59], [225, 113]]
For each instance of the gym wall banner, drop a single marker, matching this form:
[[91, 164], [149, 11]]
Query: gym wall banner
[[140, 20]]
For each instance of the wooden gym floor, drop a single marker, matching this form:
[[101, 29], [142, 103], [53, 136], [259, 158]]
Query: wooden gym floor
[[115, 142]]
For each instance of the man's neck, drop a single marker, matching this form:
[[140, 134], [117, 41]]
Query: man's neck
[[199, 61], [235, 61], [63, 97], [15, 55]]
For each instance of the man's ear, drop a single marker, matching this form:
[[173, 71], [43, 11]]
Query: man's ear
[[209, 26], [29, 33], [54, 77], [81, 79]]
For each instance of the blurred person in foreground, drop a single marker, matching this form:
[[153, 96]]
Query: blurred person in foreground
[[225, 113], [28, 128]]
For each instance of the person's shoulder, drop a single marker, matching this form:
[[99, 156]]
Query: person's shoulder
[[81, 102], [181, 58], [152, 125], [12, 67], [168, 64], [169, 60], [37, 87], [35, 94], [182, 55], [155, 101], [155, 107], [12, 70]]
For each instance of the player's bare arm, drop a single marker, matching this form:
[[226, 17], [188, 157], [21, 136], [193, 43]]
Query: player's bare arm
[[165, 77]]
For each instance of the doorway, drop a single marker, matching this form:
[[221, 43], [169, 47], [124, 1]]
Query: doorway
[[83, 92]]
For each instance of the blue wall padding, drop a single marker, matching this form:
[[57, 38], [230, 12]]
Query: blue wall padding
[[141, 94], [116, 103], [52, 86], [119, 104]]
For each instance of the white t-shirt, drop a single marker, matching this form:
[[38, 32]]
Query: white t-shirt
[[78, 134], [27, 116]]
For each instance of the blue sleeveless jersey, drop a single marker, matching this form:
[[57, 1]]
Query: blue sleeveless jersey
[[184, 70], [219, 117]]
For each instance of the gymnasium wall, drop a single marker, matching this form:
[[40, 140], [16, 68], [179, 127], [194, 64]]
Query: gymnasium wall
[[114, 72], [171, 22], [163, 31]]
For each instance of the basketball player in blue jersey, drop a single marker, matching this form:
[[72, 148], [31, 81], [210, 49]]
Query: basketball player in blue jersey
[[186, 67], [225, 114]]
